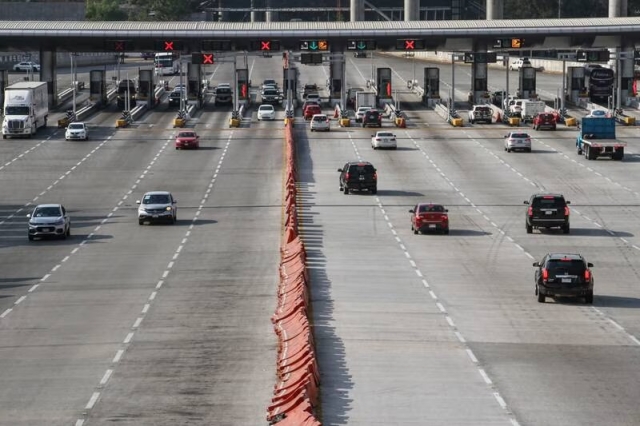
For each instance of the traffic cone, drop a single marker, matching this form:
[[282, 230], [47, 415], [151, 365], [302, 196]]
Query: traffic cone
[[335, 113]]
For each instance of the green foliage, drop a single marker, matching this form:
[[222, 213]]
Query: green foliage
[[104, 10], [162, 10]]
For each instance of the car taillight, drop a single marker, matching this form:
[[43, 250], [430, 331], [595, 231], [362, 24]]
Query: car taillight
[[587, 275], [545, 274], [346, 176], [375, 176], [528, 140], [530, 211], [378, 139], [444, 217], [566, 210]]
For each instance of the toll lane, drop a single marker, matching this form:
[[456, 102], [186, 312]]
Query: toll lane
[[481, 273]]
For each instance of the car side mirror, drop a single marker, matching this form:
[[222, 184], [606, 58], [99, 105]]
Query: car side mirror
[[137, 201], [175, 201], [340, 170], [536, 263], [568, 202], [412, 211], [526, 202], [506, 136], [29, 215], [373, 136], [446, 210], [590, 265]]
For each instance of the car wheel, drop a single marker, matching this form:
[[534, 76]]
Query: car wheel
[[566, 229], [415, 231], [69, 231], [175, 219], [140, 222], [508, 150], [30, 237], [345, 191], [374, 191], [63, 236], [529, 229], [445, 231], [541, 297], [588, 299]]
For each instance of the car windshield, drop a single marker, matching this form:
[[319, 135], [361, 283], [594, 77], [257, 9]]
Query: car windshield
[[223, 90], [548, 202], [431, 208], [269, 82], [385, 134], [47, 212], [565, 267], [364, 109], [76, 126], [156, 199], [265, 108], [16, 110], [320, 118], [270, 92], [186, 135], [519, 135]]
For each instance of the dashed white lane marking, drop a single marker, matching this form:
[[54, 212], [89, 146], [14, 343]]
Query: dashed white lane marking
[[92, 401], [510, 239], [105, 378], [424, 282], [120, 353]]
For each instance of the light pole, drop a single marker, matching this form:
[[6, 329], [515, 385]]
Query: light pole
[[73, 85]]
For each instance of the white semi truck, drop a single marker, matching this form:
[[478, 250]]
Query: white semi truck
[[26, 108]]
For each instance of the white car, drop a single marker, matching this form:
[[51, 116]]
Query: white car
[[26, 66], [320, 122], [517, 140], [77, 131], [384, 139], [598, 113], [360, 113], [49, 220], [266, 112]]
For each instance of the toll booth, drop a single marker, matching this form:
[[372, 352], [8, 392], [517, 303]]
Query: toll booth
[[146, 87], [479, 80], [383, 83], [194, 84], [431, 86], [575, 84], [336, 78], [98, 87], [290, 84], [4, 82], [242, 90], [527, 82]]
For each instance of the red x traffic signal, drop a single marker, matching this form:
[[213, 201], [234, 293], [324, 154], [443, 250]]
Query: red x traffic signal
[[409, 44]]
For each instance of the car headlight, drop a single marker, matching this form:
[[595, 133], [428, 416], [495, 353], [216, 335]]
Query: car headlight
[[168, 208], [59, 221]]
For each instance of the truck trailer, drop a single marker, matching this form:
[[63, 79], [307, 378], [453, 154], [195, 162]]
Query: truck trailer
[[26, 108], [597, 138]]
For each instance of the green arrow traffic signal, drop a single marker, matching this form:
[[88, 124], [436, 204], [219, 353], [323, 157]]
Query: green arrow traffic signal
[[362, 45], [313, 45]]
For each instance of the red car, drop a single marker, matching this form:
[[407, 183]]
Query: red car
[[311, 110], [544, 120], [429, 217], [187, 139]]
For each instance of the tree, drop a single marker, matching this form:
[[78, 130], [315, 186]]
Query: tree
[[104, 10], [163, 10], [547, 9]]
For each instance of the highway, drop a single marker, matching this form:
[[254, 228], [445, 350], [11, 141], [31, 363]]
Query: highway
[[170, 324]]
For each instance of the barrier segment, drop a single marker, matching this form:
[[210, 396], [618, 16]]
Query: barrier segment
[[296, 392]]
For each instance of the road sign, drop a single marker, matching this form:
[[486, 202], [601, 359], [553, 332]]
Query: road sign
[[361, 45], [480, 57], [314, 45], [202, 58], [508, 43], [593, 55], [410, 44], [311, 58], [265, 45], [169, 46]]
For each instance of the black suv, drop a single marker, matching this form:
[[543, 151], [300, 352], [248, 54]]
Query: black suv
[[547, 211], [372, 118], [174, 98], [560, 274], [358, 176]]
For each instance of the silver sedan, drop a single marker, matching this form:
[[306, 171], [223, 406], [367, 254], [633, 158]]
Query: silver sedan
[[49, 221]]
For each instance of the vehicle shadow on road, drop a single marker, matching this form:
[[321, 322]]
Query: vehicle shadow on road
[[335, 380], [397, 193], [592, 232], [605, 301]]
